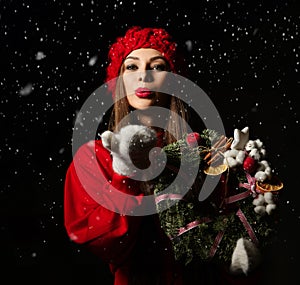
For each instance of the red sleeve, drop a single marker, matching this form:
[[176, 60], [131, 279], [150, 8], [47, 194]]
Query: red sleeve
[[92, 211]]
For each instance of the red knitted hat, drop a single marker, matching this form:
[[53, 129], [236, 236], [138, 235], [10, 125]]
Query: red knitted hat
[[137, 37]]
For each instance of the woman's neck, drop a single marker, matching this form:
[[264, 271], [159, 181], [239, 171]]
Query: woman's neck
[[150, 118]]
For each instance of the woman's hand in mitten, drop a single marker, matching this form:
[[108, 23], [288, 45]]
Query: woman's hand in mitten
[[245, 258], [130, 148]]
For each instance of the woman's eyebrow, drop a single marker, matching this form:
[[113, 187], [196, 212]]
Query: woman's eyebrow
[[151, 59], [131, 57], [157, 57]]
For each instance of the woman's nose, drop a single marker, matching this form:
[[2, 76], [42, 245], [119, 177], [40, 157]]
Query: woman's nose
[[145, 75]]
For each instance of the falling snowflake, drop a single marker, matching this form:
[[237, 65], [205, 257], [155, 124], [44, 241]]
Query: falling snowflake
[[93, 60], [26, 90], [40, 55], [189, 45], [79, 118]]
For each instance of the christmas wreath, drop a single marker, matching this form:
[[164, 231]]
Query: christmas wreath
[[243, 203]]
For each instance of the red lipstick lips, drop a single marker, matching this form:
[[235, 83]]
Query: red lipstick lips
[[143, 92]]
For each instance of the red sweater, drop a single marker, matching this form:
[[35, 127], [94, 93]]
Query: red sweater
[[135, 247]]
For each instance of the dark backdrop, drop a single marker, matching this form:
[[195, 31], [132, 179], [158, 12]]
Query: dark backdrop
[[244, 54]]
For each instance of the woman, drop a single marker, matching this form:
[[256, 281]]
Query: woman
[[135, 247]]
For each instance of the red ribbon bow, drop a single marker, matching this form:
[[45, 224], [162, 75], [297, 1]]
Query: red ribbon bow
[[251, 185]]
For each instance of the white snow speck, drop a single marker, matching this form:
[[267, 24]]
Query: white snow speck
[[93, 60], [26, 90], [189, 45], [40, 55]]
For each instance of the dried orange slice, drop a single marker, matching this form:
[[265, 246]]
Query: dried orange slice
[[275, 184], [216, 170]]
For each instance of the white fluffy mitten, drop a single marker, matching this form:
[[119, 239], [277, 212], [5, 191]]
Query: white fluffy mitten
[[130, 148], [245, 258]]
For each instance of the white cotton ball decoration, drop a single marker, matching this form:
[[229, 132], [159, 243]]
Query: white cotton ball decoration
[[259, 201], [230, 161], [264, 171], [254, 153], [240, 157], [261, 210], [268, 197], [260, 176], [250, 145], [270, 208]]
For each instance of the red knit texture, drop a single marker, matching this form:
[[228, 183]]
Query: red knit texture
[[135, 38]]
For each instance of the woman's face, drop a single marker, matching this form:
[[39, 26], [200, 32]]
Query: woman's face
[[145, 71]]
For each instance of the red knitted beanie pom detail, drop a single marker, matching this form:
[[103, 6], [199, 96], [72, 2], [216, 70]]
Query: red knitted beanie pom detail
[[136, 38]]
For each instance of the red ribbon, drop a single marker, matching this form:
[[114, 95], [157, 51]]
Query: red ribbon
[[251, 185], [192, 225], [216, 243], [168, 196], [237, 197], [247, 226]]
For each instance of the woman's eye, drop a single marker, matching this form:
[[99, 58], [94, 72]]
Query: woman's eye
[[131, 67], [159, 67]]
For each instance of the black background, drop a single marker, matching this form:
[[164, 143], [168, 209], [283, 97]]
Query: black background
[[244, 54]]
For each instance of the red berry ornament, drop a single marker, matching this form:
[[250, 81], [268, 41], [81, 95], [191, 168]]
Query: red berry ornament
[[193, 139], [249, 164]]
